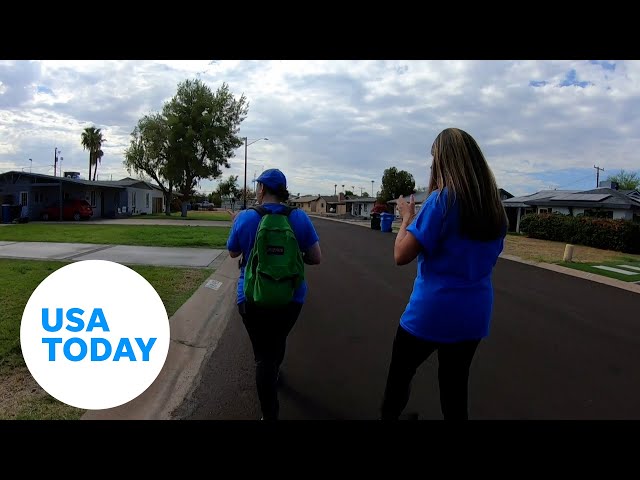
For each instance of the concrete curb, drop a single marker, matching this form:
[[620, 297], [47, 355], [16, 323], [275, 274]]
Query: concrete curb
[[196, 329], [612, 282]]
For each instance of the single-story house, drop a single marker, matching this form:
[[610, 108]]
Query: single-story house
[[601, 202], [308, 203], [360, 206], [333, 204], [108, 199], [141, 198]]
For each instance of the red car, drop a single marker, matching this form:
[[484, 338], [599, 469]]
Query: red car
[[71, 210]]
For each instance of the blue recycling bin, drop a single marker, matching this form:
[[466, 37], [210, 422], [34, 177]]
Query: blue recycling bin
[[386, 219], [6, 213]]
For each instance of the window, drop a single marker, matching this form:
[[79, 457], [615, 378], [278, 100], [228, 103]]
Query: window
[[133, 200], [38, 197], [24, 199], [321, 205], [92, 198], [147, 200], [598, 213]]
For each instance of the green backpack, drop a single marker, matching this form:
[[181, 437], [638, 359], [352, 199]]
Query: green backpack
[[275, 268]]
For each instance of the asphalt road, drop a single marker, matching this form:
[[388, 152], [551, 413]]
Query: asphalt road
[[560, 347]]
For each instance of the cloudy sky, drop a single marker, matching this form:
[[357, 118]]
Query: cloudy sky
[[541, 124]]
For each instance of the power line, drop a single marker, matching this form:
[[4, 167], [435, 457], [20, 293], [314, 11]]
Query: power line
[[577, 181]]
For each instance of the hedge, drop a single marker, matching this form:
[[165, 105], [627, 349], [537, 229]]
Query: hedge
[[618, 235]]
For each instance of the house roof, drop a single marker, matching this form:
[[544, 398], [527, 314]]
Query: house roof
[[332, 199], [360, 200], [597, 197], [76, 181], [503, 191], [304, 199]]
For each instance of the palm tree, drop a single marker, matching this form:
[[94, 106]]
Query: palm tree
[[92, 140], [97, 159]]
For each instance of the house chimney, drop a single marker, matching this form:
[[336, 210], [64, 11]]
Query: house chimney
[[609, 184], [340, 197]]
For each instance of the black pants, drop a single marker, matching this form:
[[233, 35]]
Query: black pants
[[268, 329], [454, 361]]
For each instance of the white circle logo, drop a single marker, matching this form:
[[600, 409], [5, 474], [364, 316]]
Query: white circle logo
[[95, 334]]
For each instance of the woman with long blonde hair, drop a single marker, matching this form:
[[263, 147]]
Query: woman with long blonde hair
[[457, 237]]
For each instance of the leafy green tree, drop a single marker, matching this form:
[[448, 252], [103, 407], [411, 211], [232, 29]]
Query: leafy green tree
[[193, 137], [625, 180], [396, 183], [203, 131], [148, 154]]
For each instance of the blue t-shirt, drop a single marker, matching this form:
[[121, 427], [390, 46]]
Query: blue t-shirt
[[452, 296], [243, 235]]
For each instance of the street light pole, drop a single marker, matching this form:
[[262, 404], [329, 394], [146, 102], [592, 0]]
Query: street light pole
[[372, 196], [245, 172], [246, 145], [30, 164]]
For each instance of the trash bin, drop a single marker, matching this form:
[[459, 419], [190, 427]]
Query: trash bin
[[375, 221], [385, 222], [6, 213]]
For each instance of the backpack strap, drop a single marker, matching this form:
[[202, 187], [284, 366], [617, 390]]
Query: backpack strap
[[263, 211], [260, 209]]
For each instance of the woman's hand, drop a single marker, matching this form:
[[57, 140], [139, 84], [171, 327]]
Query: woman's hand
[[407, 210], [234, 215]]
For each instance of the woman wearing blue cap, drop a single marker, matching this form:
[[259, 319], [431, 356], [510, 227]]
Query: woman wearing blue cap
[[268, 328]]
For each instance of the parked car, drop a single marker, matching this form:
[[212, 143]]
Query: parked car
[[71, 210]]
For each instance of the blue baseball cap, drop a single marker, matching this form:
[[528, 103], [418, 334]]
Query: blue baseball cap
[[273, 178]]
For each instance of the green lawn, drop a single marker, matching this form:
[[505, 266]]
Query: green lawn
[[590, 268], [191, 215], [20, 278], [150, 235]]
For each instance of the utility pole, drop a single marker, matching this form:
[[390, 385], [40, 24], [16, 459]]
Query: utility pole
[[598, 175]]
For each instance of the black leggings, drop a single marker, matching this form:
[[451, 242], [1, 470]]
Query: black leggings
[[268, 330], [454, 361]]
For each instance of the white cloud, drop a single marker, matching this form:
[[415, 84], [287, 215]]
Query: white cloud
[[335, 122]]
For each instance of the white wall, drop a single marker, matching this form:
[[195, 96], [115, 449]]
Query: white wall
[[562, 210], [366, 209], [140, 201]]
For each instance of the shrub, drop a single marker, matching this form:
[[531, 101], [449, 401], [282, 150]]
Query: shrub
[[618, 235]]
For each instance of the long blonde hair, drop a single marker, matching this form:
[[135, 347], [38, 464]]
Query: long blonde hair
[[460, 166]]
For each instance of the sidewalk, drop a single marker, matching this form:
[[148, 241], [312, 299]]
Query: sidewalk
[[142, 221], [196, 329], [123, 254]]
